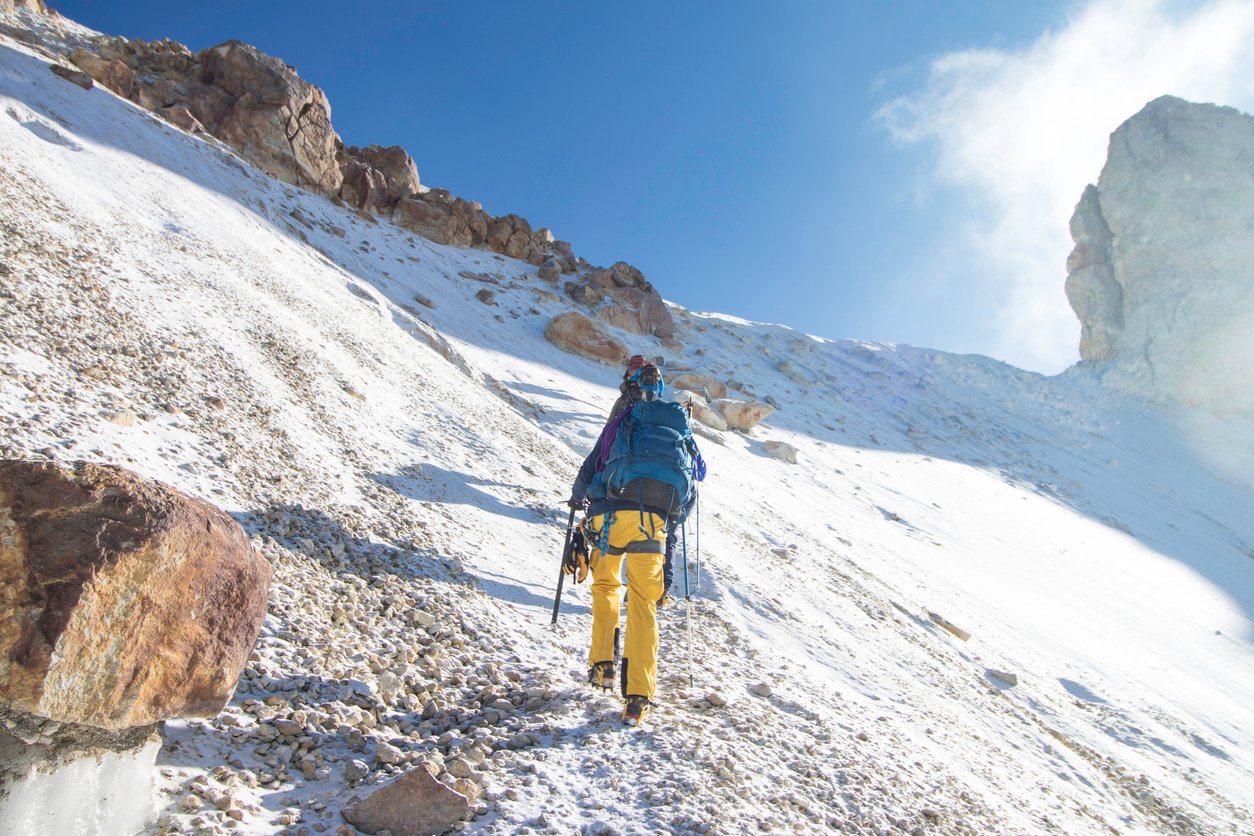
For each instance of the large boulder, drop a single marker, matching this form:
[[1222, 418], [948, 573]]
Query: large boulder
[[1161, 275], [577, 334], [703, 384], [122, 601], [415, 804], [703, 412], [743, 415], [279, 121]]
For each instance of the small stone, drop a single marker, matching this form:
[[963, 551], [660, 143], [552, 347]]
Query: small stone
[[715, 699], [355, 770], [519, 741], [386, 753], [486, 296], [288, 728], [461, 768], [761, 689]]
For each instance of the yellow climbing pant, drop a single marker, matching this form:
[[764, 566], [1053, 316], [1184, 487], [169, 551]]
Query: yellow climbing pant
[[638, 539]]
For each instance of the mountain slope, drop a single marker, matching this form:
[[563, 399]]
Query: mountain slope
[[170, 308]]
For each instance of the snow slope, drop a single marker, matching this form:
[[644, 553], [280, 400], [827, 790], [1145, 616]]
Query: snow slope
[[167, 307]]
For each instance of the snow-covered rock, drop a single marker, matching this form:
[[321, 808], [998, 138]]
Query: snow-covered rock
[[1162, 274]]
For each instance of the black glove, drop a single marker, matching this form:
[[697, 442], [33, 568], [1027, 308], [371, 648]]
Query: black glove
[[575, 561]]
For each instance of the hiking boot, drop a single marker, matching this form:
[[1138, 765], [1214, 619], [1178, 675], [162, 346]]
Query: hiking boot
[[635, 710], [601, 675]]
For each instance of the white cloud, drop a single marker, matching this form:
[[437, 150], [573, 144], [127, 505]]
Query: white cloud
[[1024, 131]]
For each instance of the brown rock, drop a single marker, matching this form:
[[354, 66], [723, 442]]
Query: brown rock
[[577, 334], [211, 105], [474, 217], [550, 269], [697, 382], [122, 601], [115, 75], [624, 275], [648, 313], [625, 318], [516, 246], [182, 117], [743, 415], [415, 804], [363, 187], [702, 412], [601, 279], [31, 5], [280, 122], [375, 177], [499, 232], [397, 167], [583, 294], [425, 217], [79, 77], [162, 92]]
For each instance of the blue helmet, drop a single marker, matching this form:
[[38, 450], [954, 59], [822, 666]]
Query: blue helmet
[[650, 381]]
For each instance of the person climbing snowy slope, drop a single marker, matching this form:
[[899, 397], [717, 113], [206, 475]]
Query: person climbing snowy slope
[[639, 482], [629, 393]]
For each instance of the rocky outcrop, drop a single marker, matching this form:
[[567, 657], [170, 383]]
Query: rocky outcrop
[[282, 124], [376, 178], [1091, 287], [415, 804], [626, 300], [122, 601], [28, 5], [577, 334], [279, 121], [1161, 276]]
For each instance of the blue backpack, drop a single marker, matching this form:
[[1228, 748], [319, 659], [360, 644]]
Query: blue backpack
[[650, 460]]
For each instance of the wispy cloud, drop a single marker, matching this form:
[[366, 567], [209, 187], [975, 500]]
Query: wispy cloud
[[1022, 131]]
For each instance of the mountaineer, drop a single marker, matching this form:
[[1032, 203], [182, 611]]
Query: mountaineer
[[639, 482]]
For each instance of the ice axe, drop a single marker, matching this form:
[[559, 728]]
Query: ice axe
[[561, 567]]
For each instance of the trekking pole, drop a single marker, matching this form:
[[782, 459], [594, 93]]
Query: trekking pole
[[687, 602], [561, 569], [698, 585]]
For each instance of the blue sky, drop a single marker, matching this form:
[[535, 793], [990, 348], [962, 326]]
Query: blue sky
[[848, 169]]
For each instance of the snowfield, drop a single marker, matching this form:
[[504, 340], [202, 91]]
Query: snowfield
[[400, 451]]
